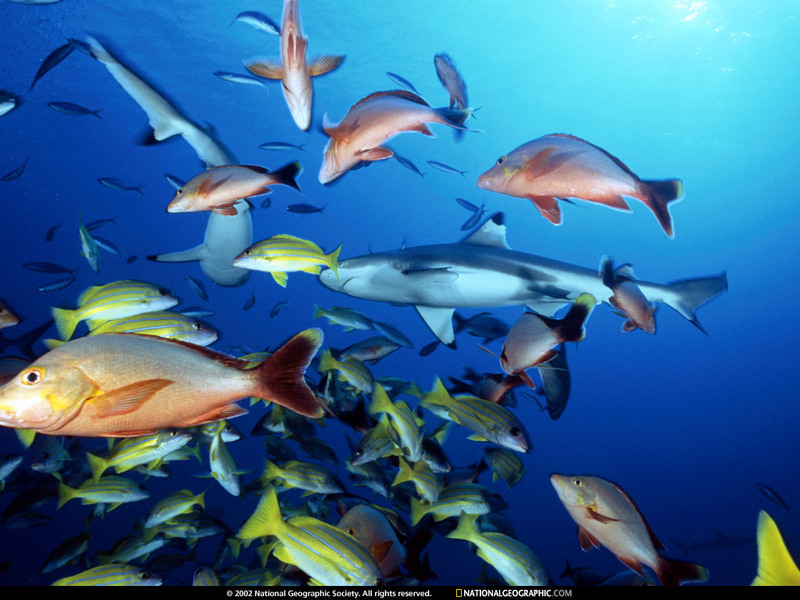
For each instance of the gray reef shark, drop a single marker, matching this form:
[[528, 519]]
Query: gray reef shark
[[482, 271], [226, 236]]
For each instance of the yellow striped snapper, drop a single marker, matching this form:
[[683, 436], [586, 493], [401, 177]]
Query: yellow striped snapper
[[350, 370], [114, 300], [205, 576], [50, 454], [422, 476], [112, 574], [127, 453], [89, 249], [407, 434], [296, 474], [349, 318], [470, 498], [222, 465], [371, 475], [490, 421], [377, 443], [327, 554], [505, 465], [7, 318], [177, 503], [110, 490], [66, 552], [283, 253], [515, 562], [162, 323], [191, 526], [370, 350], [8, 464], [131, 548]]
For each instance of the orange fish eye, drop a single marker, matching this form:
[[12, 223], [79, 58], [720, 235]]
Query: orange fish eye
[[32, 376]]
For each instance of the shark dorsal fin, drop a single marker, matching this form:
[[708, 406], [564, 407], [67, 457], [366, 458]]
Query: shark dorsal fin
[[491, 233]]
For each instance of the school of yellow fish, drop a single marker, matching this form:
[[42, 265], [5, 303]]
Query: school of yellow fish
[[132, 367]]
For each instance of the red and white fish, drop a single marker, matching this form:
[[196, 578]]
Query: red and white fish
[[219, 188], [606, 516], [293, 70], [374, 120], [628, 298], [559, 166], [531, 341], [125, 385]]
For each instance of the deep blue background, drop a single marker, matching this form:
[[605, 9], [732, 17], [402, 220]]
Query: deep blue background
[[707, 92]]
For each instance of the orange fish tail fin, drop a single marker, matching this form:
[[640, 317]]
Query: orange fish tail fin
[[672, 572], [287, 175], [659, 194], [280, 378]]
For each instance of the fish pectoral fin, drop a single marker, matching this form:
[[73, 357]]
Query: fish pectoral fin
[[280, 278], [211, 184], [218, 413], [596, 516], [440, 322], [268, 68], [324, 63], [373, 154], [547, 161], [228, 210], [548, 207], [587, 540], [126, 399]]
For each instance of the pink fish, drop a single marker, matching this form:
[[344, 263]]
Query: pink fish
[[219, 188], [606, 516], [374, 120], [292, 69], [559, 166], [628, 298]]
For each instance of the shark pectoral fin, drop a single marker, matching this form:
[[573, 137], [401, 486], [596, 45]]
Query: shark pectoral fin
[[126, 399], [372, 154], [548, 206], [197, 253], [268, 68], [324, 64], [440, 322], [543, 307]]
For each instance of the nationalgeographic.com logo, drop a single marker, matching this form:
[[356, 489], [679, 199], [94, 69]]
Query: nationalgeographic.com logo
[[519, 592]]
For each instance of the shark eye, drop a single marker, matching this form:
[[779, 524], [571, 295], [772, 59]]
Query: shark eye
[[577, 482], [32, 376], [501, 160]]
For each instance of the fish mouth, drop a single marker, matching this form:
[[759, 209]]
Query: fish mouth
[[484, 183]]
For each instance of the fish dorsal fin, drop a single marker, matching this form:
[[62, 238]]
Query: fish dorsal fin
[[491, 233], [405, 94], [128, 398]]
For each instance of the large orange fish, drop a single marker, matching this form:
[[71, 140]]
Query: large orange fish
[[607, 516], [219, 188], [124, 385], [558, 167], [292, 69], [374, 120]]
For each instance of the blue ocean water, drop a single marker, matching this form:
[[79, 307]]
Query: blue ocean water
[[685, 423]]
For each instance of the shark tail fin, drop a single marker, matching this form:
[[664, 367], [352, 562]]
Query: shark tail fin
[[687, 295]]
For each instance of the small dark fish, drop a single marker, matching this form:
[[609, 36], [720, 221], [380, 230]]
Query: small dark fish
[[45, 267], [408, 164], [107, 245], [277, 308], [451, 80], [467, 204], [132, 259], [113, 183], [445, 168], [50, 233], [197, 287], [258, 20], [401, 81], [55, 57], [16, 173], [99, 223], [174, 181], [237, 78], [58, 284], [428, 348], [305, 209], [474, 219], [250, 302], [281, 146], [74, 110], [772, 495]]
